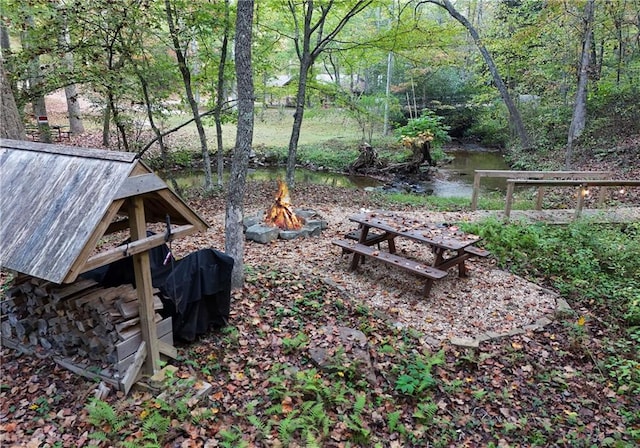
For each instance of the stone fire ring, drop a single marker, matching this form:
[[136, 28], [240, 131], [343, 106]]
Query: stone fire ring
[[256, 230]]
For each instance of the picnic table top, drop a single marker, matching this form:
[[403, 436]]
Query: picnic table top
[[436, 234]]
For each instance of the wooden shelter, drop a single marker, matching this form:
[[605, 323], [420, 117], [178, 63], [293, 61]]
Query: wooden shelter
[[56, 204]]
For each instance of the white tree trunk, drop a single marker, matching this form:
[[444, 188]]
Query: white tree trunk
[[578, 121]]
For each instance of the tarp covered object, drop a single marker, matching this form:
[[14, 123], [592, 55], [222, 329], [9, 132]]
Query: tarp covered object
[[196, 290]]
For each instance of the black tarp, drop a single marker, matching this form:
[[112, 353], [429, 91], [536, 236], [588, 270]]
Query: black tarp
[[195, 290]]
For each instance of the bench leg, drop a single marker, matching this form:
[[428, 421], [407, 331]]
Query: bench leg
[[427, 287], [462, 269]]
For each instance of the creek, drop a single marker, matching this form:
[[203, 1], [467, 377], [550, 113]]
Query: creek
[[452, 179]]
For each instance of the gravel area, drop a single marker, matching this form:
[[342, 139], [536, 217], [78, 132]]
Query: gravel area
[[488, 300]]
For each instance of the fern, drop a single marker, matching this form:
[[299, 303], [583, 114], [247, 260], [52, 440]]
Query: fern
[[101, 412], [288, 427], [393, 418], [358, 406], [317, 416], [311, 441], [155, 425], [100, 436], [259, 424], [425, 412]]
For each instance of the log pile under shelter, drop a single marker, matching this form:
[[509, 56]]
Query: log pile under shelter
[[79, 320], [57, 203]]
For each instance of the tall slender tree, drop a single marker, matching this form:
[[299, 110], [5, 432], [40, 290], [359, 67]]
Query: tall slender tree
[[514, 114], [180, 51], [579, 117], [313, 33], [234, 236]]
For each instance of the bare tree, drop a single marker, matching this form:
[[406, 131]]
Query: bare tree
[[306, 31], [514, 114], [234, 236], [186, 78], [220, 100], [578, 120]]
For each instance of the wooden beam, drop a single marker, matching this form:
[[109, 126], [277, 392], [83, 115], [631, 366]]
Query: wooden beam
[[136, 185], [144, 288], [91, 243], [135, 247], [183, 209]]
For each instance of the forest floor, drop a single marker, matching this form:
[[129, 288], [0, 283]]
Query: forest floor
[[542, 386]]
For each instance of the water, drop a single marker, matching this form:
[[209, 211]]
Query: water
[[457, 176]]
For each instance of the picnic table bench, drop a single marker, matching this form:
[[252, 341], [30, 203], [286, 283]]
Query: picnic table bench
[[450, 245]]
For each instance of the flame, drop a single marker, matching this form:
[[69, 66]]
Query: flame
[[281, 213]]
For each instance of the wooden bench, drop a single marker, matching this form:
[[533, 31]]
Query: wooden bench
[[476, 251], [420, 269], [510, 174], [372, 238], [582, 185]]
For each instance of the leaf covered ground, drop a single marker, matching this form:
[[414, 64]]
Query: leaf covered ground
[[533, 389], [553, 387]]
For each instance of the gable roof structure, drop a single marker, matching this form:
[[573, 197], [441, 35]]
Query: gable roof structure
[[57, 202]]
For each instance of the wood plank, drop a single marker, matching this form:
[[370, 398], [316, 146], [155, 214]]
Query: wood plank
[[142, 184], [73, 151], [166, 348], [395, 260], [127, 347], [134, 369], [70, 365], [142, 270], [135, 247], [576, 182]]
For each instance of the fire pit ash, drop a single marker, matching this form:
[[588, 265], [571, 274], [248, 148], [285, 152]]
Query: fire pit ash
[[283, 221]]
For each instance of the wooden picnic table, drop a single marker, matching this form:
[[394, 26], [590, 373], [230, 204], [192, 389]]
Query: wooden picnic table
[[450, 245]]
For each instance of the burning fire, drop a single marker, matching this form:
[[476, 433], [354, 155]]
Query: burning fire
[[281, 213]]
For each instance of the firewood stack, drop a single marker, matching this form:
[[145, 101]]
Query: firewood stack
[[80, 319]]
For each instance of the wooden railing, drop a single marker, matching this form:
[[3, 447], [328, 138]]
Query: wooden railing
[[478, 174], [582, 184]]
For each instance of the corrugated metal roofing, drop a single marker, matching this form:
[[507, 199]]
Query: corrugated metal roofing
[[52, 199]]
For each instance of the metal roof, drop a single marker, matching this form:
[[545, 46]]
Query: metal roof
[[57, 201]]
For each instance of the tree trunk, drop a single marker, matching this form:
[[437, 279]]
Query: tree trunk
[[514, 114], [307, 56], [10, 122], [220, 97], [234, 235], [578, 120], [186, 78], [297, 122], [37, 97], [71, 91], [164, 154]]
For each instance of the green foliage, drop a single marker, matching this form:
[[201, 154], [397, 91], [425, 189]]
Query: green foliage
[[298, 342], [425, 412], [416, 376], [490, 126], [428, 123]]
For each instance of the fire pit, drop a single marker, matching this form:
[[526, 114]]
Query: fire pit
[[283, 221]]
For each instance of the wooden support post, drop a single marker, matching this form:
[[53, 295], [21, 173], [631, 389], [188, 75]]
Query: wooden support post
[[509, 201], [602, 195], [539, 198], [582, 191], [142, 270], [476, 191]]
